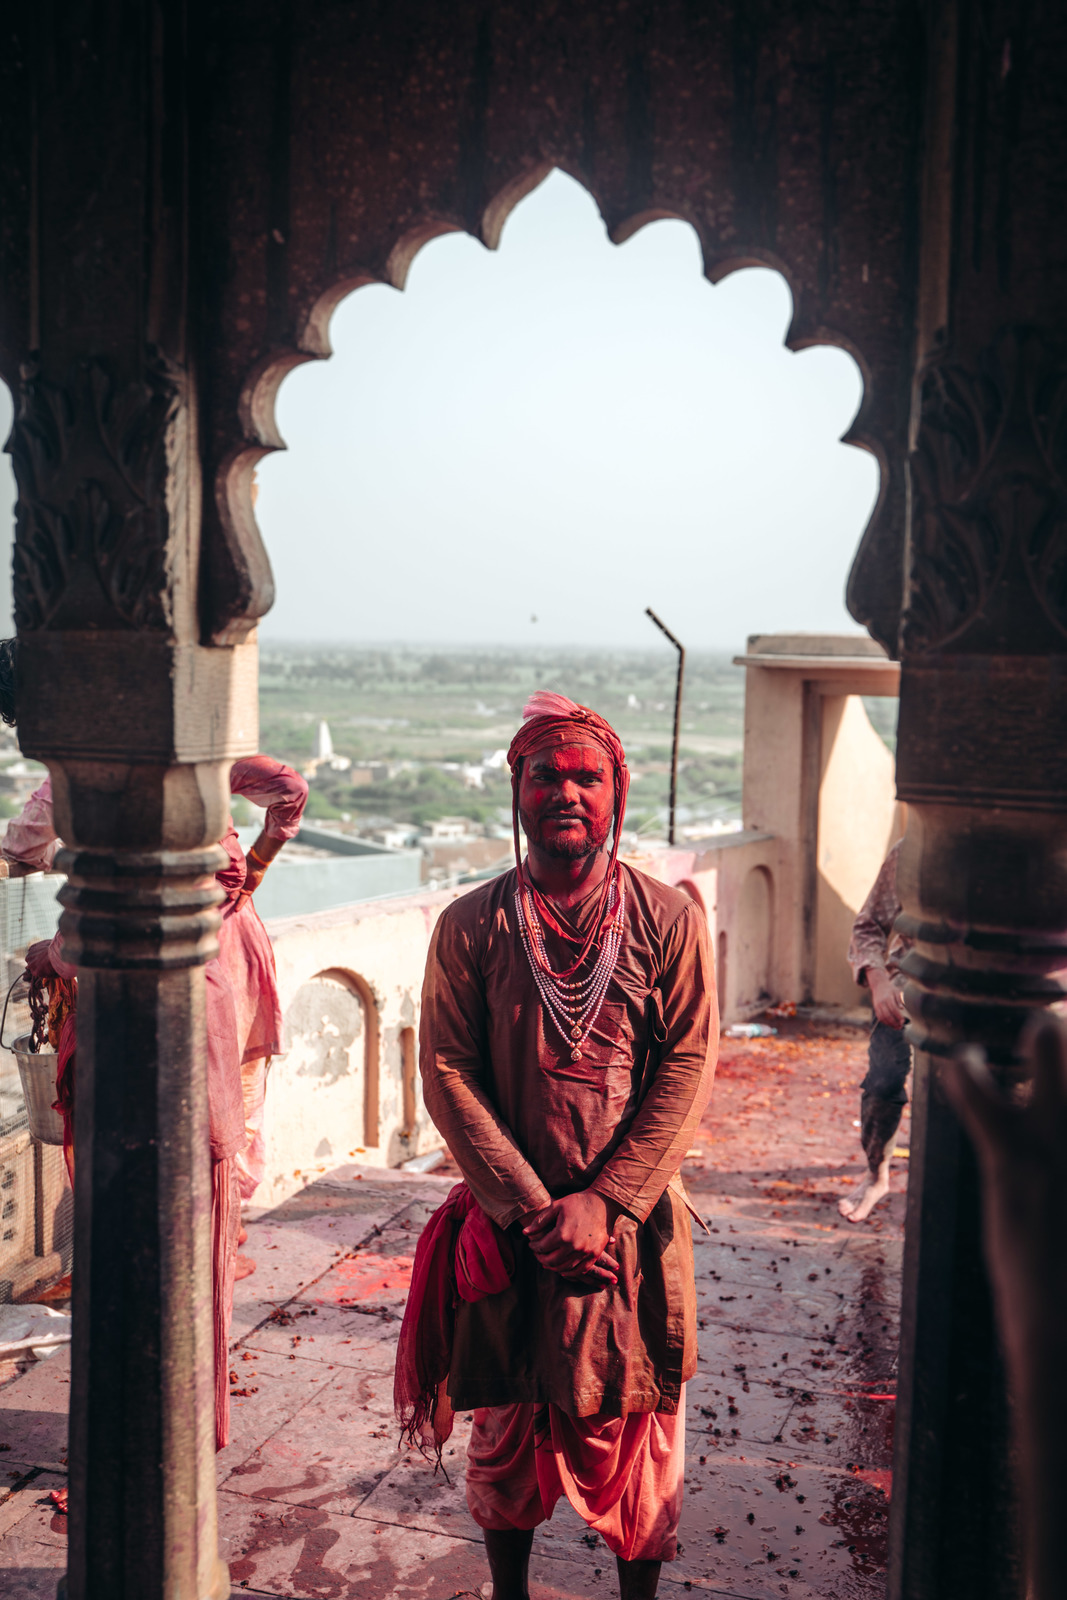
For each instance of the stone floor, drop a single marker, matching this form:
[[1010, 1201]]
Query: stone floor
[[789, 1418]]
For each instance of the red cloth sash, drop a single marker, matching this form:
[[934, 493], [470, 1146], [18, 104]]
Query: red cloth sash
[[461, 1253]]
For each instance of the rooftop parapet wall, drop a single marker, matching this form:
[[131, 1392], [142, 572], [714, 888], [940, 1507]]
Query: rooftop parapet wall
[[350, 981]]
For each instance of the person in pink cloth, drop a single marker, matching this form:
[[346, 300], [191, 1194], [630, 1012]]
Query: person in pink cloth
[[245, 955], [244, 1022]]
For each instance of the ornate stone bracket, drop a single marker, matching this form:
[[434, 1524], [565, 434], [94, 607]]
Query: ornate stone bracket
[[91, 461], [988, 487]]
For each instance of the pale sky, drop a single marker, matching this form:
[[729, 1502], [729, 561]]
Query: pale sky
[[562, 429]]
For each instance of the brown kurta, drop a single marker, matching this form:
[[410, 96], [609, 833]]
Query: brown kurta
[[526, 1125]]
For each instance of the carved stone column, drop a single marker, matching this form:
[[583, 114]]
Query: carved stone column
[[982, 750], [138, 722]]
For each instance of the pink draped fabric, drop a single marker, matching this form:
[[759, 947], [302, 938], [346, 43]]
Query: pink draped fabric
[[31, 836], [460, 1252], [225, 1223], [623, 1475], [226, 1122], [271, 784], [246, 954], [243, 1016]]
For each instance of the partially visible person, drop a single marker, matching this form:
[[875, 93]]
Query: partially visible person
[[875, 953], [244, 1021], [1022, 1152], [245, 950]]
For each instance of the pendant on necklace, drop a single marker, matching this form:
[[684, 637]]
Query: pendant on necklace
[[576, 1054], [576, 1032]]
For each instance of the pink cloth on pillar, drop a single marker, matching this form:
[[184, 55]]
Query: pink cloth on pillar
[[623, 1475]]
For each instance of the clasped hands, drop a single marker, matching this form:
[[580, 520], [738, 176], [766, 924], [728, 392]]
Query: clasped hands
[[574, 1236]]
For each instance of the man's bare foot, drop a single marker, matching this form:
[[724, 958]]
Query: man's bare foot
[[858, 1208], [242, 1237], [245, 1268]]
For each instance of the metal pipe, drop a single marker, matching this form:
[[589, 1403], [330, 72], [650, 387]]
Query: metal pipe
[[662, 626]]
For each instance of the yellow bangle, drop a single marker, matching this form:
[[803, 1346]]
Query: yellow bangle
[[253, 857]]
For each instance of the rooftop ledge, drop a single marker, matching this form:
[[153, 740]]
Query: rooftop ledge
[[818, 654]]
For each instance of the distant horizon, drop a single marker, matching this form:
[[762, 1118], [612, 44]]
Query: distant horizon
[[481, 646]]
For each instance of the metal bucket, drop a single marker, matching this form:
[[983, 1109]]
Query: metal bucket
[[38, 1073], [37, 1070]]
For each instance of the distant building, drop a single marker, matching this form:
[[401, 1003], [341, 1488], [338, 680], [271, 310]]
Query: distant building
[[451, 828], [322, 749], [398, 837], [445, 861], [364, 772], [323, 755]]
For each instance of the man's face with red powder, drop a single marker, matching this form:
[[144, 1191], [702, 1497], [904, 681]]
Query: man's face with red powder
[[566, 800]]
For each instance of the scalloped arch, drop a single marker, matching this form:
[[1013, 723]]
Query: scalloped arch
[[258, 396]]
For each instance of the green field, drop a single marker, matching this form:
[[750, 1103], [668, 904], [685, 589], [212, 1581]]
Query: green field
[[431, 706]]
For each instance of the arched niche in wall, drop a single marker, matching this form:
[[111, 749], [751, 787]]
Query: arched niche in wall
[[751, 975], [332, 1040]]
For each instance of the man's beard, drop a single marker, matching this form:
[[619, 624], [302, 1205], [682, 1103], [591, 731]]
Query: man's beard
[[592, 837]]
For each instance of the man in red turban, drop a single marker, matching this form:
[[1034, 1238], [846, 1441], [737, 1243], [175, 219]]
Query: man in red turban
[[567, 1051]]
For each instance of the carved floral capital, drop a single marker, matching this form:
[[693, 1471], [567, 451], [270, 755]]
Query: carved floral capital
[[987, 482], [91, 463]]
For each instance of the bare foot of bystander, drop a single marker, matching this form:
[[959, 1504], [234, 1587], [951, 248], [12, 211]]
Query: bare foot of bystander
[[858, 1208]]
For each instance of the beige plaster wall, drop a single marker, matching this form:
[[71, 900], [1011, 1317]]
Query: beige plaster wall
[[737, 881], [349, 981], [773, 791], [859, 819], [818, 777]]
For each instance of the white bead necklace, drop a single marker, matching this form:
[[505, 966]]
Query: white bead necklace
[[573, 1005]]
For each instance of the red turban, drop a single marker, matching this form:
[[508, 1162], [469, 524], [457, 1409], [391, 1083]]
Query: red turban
[[550, 721]]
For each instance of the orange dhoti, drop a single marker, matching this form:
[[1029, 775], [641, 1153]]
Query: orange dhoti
[[623, 1475]]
